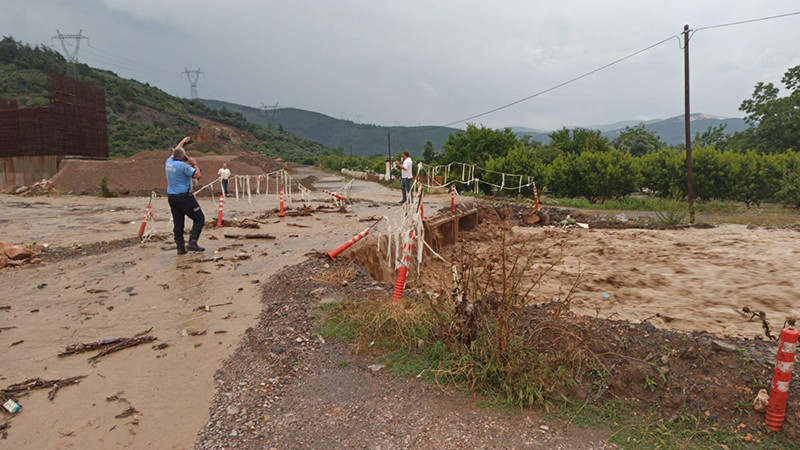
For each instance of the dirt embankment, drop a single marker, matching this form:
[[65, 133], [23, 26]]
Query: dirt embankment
[[143, 173]]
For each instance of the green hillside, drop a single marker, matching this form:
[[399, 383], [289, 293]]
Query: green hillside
[[140, 116], [364, 139]]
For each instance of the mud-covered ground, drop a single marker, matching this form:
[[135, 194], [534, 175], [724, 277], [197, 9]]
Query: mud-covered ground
[[287, 387], [252, 372]]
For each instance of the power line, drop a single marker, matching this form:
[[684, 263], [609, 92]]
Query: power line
[[616, 62], [564, 83], [127, 62], [741, 22]]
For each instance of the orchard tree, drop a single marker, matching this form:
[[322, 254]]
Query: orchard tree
[[637, 141], [579, 140], [521, 160], [477, 145]]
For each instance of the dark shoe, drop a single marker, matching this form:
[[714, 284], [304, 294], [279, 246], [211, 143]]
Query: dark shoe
[[181, 247], [193, 247]]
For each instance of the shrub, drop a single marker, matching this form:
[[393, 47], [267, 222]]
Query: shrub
[[104, 191]]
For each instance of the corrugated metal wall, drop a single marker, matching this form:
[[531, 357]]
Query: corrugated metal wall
[[26, 170]]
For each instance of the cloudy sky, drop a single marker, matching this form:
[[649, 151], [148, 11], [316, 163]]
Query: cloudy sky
[[432, 62]]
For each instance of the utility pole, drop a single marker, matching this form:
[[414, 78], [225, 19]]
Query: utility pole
[[689, 189], [72, 56], [389, 159], [192, 81]]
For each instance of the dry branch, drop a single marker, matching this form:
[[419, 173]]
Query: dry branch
[[250, 236], [107, 346], [37, 383]]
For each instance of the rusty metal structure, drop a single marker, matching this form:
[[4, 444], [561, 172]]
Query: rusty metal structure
[[34, 140]]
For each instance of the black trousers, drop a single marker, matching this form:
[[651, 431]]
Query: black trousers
[[183, 205]]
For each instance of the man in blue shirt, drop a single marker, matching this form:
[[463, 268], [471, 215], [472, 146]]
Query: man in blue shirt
[[181, 170]]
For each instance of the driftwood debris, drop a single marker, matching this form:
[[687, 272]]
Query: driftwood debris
[[300, 212], [246, 223], [207, 308], [33, 384], [250, 236], [108, 346], [341, 209], [129, 411], [764, 324], [297, 225]]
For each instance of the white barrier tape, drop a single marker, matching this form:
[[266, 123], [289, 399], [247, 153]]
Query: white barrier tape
[[206, 186], [436, 254], [789, 347], [785, 366], [249, 200], [782, 386], [431, 171]]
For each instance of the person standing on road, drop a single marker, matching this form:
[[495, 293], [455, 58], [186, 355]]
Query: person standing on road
[[181, 170], [406, 176], [224, 173]]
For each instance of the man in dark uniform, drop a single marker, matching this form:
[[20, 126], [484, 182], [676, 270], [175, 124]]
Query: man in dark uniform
[[181, 170]]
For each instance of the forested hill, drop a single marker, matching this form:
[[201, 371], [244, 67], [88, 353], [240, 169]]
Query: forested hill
[[365, 139], [143, 117]]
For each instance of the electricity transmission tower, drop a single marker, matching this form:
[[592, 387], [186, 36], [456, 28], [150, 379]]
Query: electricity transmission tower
[[71, 55], [192, 76], [269, 111]]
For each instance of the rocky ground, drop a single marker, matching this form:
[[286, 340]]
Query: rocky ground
[[287, 387]]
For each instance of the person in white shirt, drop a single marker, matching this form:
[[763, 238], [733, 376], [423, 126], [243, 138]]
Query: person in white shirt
[[224, 173], [406, 176]]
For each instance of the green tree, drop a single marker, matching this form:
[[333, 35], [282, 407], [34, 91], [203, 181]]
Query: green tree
[[758, 176], [477, 145], [579, 140], [713, 136], [664, 172], [714, 174], [597, 176], [428, 152], [521, 160], [776, 120], [637, 141]]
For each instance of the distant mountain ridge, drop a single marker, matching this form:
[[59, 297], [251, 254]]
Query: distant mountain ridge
[[671, 131], [362, 139], [368, 140]]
